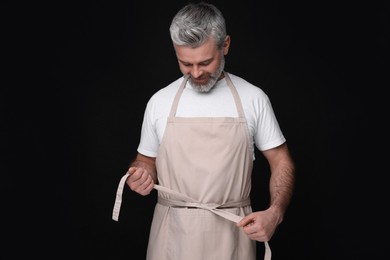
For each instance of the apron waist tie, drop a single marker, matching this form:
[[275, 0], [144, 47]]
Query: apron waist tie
[[213, 207], [189, 202]]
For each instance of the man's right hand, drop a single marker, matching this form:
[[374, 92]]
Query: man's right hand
[[140, 180]]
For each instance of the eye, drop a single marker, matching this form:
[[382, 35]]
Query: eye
[[205, 63]]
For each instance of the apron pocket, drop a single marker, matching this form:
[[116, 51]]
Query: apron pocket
[[200, 234]]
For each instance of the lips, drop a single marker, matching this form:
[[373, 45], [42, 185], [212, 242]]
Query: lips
[[200, 81]]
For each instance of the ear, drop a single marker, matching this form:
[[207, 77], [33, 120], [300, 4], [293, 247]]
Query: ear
[[226, 45]]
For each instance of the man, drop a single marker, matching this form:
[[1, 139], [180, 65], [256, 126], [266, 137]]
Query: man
[[197, 149]]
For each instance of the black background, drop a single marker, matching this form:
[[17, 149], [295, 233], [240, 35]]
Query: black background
[[79, 74]]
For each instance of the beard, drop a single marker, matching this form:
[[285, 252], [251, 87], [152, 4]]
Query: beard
[[213, 78]]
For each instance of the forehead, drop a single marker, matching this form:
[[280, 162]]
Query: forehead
[[206, 51]]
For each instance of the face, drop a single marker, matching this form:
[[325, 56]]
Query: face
[[204, 64]]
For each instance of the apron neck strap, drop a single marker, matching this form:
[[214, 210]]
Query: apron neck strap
[[233, 90]]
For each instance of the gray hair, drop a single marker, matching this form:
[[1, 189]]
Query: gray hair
[[195, 23]]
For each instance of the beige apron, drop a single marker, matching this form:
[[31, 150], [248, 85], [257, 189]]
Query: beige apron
[[204, 167]]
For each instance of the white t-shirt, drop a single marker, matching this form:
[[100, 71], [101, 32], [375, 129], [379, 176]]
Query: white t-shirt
[[218, 102]]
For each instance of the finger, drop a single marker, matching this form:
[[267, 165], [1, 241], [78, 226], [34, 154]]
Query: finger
[[245, 221], [249, 229], [145, 182], [146, 187], [150, 187], [142, 183], [137, 179], [137, 174]]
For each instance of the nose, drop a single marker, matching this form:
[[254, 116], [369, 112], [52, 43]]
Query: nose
[[196, 72]]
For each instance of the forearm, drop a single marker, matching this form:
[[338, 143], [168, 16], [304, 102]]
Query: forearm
[[281, 187]]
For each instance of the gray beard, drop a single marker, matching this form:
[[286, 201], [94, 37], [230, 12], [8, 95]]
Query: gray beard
[[213, 79]]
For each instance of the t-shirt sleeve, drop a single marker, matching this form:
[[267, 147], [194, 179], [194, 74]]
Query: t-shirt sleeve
[[149, 140], [268, 134]]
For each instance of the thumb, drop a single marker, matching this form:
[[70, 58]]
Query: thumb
[[131, 170], [245, 221]]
